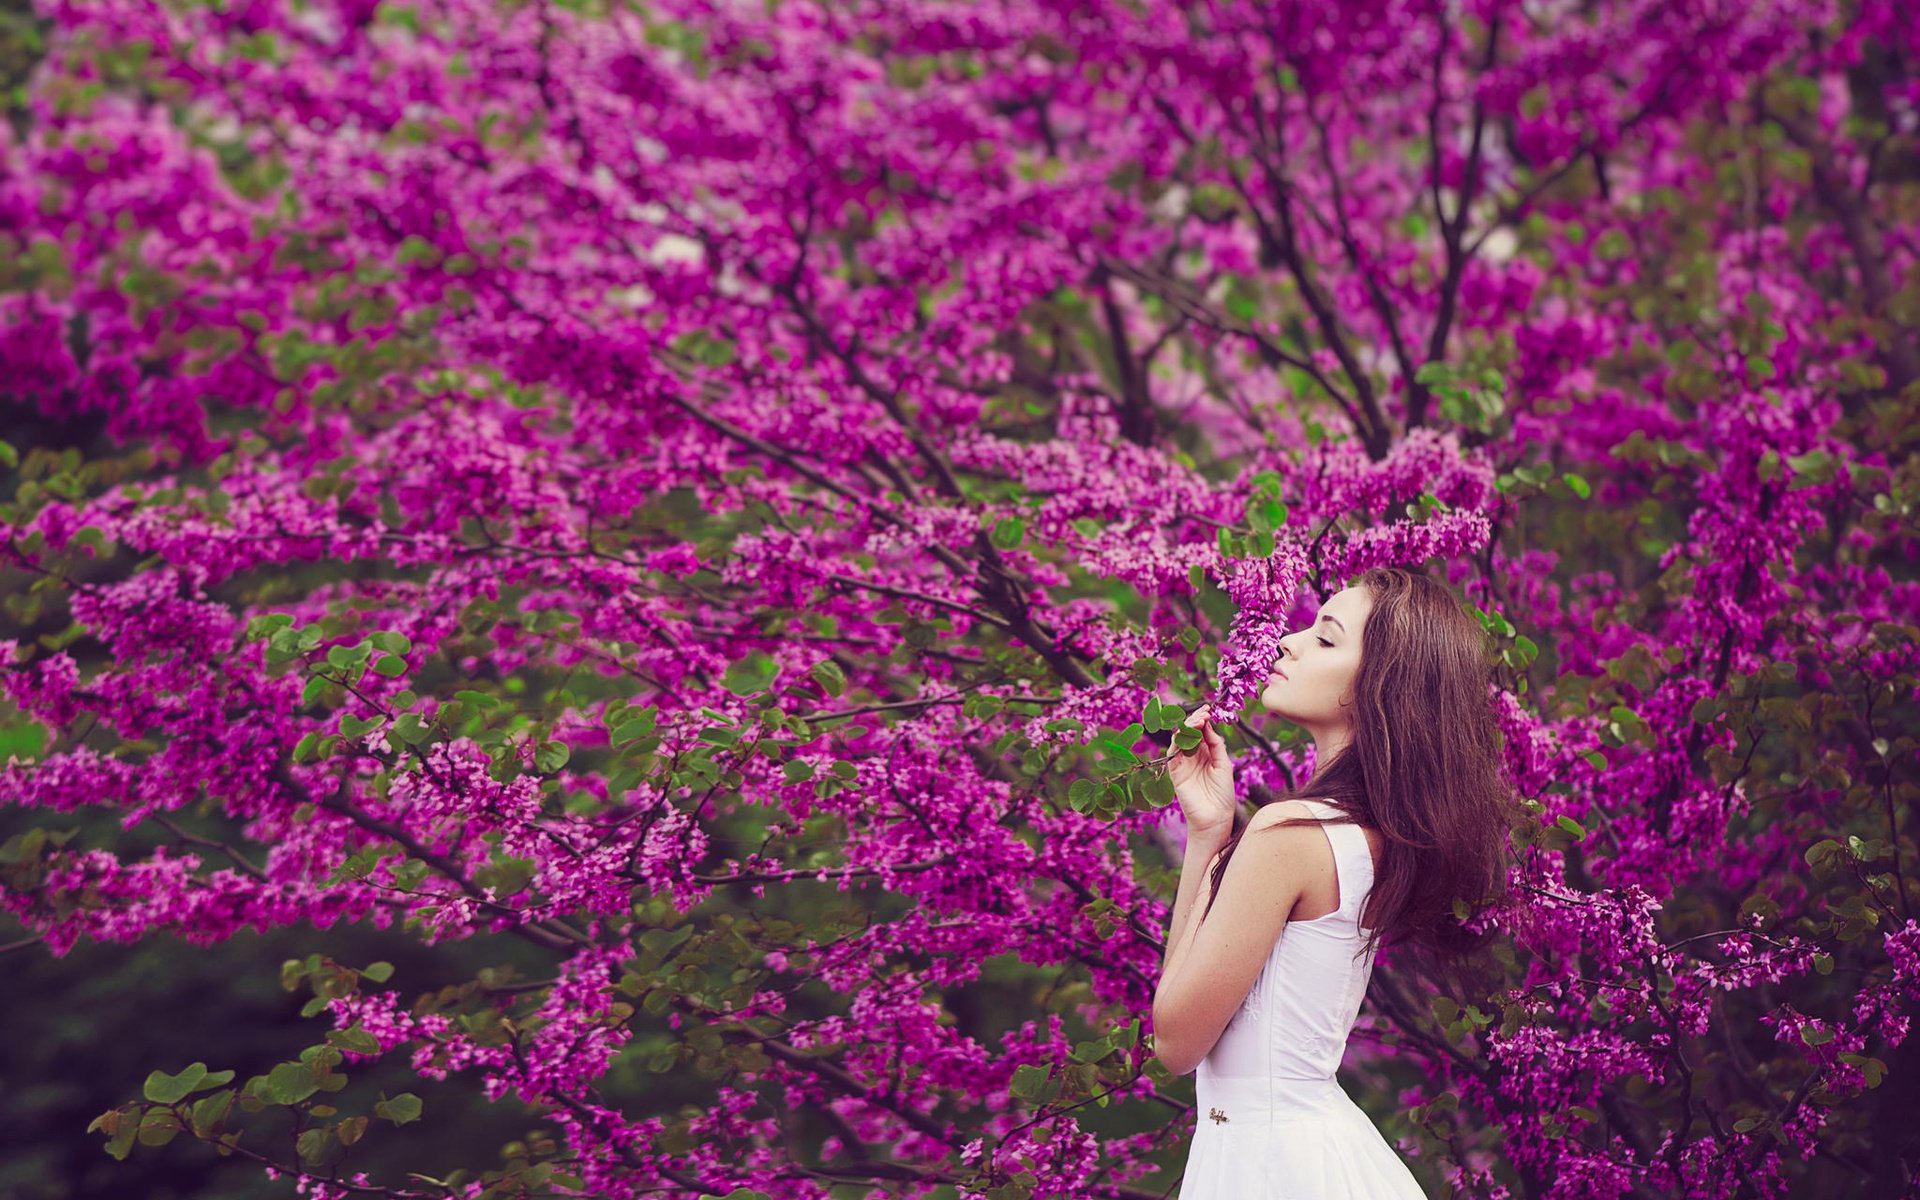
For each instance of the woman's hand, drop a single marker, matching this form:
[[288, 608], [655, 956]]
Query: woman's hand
[[1203, 779]]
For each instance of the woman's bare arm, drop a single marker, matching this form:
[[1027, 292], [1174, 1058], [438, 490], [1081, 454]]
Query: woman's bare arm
[[1220, 954], [1195, 867]]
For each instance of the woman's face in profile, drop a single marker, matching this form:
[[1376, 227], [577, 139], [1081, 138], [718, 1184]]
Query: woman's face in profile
[[1311, 682]]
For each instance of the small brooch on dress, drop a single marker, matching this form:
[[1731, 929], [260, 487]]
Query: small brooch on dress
[[1216, 1116]]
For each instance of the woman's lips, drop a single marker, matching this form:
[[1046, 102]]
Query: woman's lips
[[1277, 673]]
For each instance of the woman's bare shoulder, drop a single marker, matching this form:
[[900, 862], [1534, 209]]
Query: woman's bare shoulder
[[1280, 811]]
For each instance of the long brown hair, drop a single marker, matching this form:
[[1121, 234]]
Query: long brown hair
[[1423, 767]]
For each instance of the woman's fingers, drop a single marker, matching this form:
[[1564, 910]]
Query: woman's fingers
[[1215, 746]]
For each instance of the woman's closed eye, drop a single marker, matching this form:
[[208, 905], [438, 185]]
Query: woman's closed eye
[[1324, 642]]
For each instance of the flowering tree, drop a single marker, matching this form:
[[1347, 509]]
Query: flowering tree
[[738, 497]]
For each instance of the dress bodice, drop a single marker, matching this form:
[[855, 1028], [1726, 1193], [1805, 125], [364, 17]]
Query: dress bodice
[[1272, 1122], [1295, 1021]]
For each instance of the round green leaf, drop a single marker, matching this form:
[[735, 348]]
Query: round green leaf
[[314, 1144], [1159, 790], [290, 1083], [751, 674], [209, 1112], [354, 727], [162, 1088], [392, 643], [828, 675]]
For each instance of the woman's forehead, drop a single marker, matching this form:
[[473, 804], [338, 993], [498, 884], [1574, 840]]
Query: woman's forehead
[[1348, 604]]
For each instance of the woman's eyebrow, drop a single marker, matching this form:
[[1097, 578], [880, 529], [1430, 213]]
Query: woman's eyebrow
[[1335, 620]]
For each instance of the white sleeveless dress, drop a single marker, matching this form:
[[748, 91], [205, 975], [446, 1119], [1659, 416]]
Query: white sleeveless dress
[[1273, 1122]]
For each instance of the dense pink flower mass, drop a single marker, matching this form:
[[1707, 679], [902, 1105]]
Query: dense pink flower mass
[[729, 494]]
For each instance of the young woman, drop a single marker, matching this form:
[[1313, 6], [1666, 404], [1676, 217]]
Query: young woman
[[1275, 927]]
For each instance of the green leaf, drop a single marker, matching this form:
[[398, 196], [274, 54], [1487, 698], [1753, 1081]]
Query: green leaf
[[977, 707], [313, 1145], [290, 1082], [1159, 790], [1580, 486], [392, 643], [551, 756], [1815, 1037], [345, 658], [391, 665], [1150, 714], [635, 724], [122, 1127], [1028, 1081], [162, 1088], [1008, 533], [401, 1109], [1821, 849], [1872, 1070], [1118, 749], [412, 728], [354, 727], [355, 1039], [829, 676], [703, 347], [210, 1112], [158, 1127], [751, 674], [379, 972], [1265, 514], [265, 624]]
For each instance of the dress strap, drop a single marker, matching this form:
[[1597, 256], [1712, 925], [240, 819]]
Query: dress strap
[[1352, 857]]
